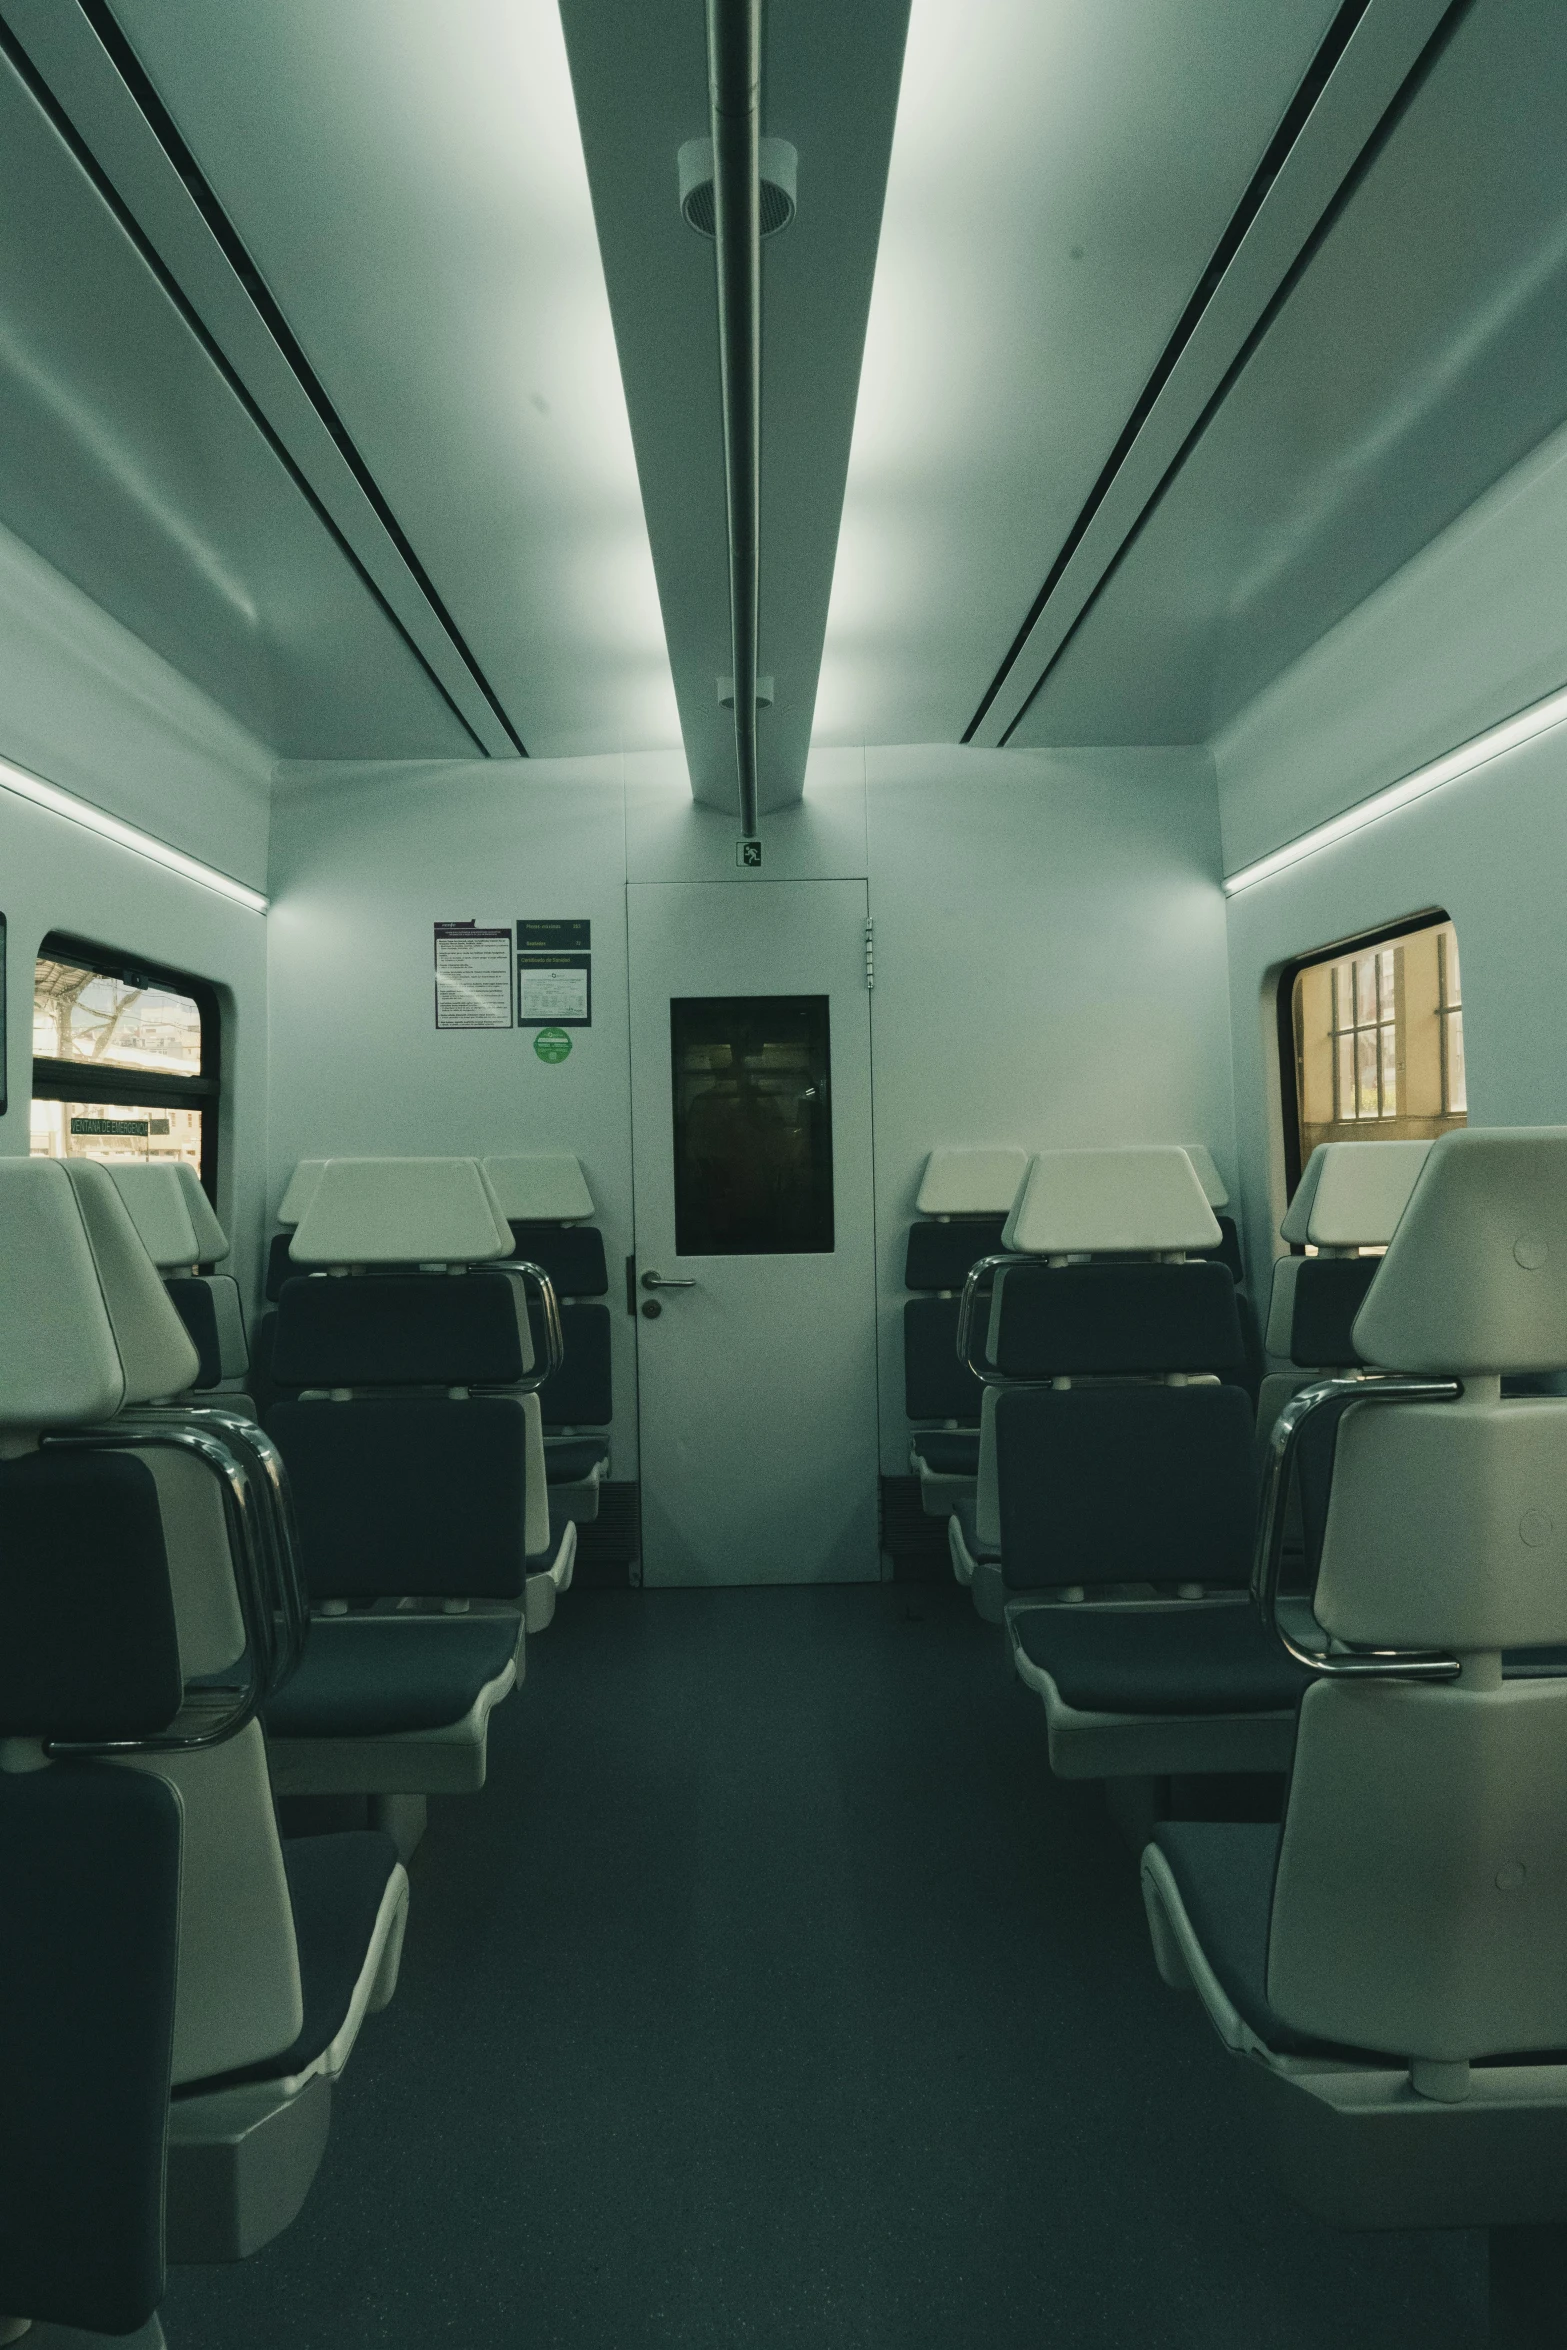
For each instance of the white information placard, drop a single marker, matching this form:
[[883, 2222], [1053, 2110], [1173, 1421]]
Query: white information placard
[[551, 993], [472, 976]]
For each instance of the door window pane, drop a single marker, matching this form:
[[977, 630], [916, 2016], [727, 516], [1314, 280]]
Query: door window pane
[[753, 1125]]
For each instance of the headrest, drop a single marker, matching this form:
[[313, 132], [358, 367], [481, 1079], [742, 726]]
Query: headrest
[[970, 1183], [212, 1242], [1475, 1280], [157, 1358], [1142, 1199], [400, 1212], [1060, 1321], [1208, 1175], [300, 1191], [155, 1200], [59, 1365], [547, 1187], [1351, 1194], [403, 1330]]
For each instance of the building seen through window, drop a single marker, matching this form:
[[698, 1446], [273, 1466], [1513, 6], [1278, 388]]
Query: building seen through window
[[123, 1061], [1378, 1041]]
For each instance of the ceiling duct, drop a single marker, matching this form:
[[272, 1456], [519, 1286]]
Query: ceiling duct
[[734, 79]]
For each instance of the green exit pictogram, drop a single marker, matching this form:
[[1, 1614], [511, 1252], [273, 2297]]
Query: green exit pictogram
[[552, 1044]]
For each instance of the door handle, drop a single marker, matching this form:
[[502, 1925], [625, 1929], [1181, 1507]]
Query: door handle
[[657, 1281]]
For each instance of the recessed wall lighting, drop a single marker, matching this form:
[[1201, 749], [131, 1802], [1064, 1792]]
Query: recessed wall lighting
[[126, 836]]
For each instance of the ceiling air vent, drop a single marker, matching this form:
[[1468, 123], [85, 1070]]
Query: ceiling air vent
[[779, 165]]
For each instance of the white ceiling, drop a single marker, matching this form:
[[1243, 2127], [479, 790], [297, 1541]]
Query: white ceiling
[[1060, 177], [410, 180]]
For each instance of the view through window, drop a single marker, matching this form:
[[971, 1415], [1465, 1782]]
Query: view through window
[[122, 1062], [1378, 1037]]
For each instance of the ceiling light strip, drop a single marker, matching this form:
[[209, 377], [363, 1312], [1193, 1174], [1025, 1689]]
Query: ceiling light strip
[[1538, 719], [126, 836]]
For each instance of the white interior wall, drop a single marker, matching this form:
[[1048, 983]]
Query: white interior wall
[[1049, 961], [84, 704], [1472, 629]]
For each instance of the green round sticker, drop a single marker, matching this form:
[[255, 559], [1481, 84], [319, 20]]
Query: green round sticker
[[552, 1044]]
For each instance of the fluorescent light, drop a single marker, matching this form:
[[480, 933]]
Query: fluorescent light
[[125, 836], [1539, 718]]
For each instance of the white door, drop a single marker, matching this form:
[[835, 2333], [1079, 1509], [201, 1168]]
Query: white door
[[751, 1109]]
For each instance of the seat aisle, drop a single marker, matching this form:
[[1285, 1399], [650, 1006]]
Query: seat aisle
[[775, 1994]]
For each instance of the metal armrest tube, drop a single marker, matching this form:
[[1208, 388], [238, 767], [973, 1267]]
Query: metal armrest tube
[[554, 1335], [976, 1274], [177, 1434], [288, 1597], [1267, 1563]]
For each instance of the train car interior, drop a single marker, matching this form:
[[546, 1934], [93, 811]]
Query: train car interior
[[783, 1175]]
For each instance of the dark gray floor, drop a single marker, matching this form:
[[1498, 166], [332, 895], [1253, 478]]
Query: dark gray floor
[[773, 1993]]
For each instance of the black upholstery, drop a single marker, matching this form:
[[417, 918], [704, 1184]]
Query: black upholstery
[[89, 1891], [1125, 1484], [1182, 1659], [949, 1452], [1102, 1319], [940, 1251], [568, 1460], [88, 1646], [571, 1254], [195, 1305], [1225, 1872], [402, 1495], [370, 1677], [335, 1887], [1228, 1252], [1329, 1293], [400, 1330], [280, 1266], [936, 1385], [581, 1393]]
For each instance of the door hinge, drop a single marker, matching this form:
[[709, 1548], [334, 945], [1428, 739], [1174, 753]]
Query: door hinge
[[870, 950]]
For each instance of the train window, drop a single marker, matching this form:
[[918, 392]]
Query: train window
[[125, 1060], [1372, 1041]]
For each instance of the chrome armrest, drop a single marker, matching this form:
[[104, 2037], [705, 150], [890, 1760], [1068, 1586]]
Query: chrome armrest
[[554, 1335], [976, 1274], [1267, 1562]]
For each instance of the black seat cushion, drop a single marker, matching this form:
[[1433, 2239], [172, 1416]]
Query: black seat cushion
[[1180, 1659], [280, 1265], [1329, 1293], [581, 1393], [568, 1460], [407, 1496], [89, 1891], [335, 1887], [88, 1643], [1228, 1252], [1125, 1484], [936, 1385], [1105, 1320], [949, 1452], [1225, 1872], [571, 1254], [941, 1251], [194, 1303], [371, 1677], [400, 1330]]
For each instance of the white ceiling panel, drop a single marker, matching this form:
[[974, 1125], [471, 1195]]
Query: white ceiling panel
[[410, 182], [1060, 179]]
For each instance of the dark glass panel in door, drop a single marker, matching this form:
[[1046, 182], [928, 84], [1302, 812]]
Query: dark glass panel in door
[[753, 1125]]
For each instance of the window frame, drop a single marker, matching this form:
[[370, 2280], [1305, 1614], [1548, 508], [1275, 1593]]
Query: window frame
[[1357, 943], [62, 1081]]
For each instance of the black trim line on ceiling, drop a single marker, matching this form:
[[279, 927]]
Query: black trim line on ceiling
[[49, 106], [1388, 123], [155, 114], [1293, 121]]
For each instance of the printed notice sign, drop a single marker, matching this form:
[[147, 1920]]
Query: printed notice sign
[[555, 974], [472, 976]]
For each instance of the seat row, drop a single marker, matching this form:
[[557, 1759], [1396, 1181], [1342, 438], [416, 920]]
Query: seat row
[[1363, 1598], [328, 1604]]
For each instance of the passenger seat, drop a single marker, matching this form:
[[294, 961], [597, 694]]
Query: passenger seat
[[547, 1206], [963, 1201], [182, 1235]]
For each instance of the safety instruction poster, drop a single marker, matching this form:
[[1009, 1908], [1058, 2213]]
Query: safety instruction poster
[[554, 974], [472, 976]]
